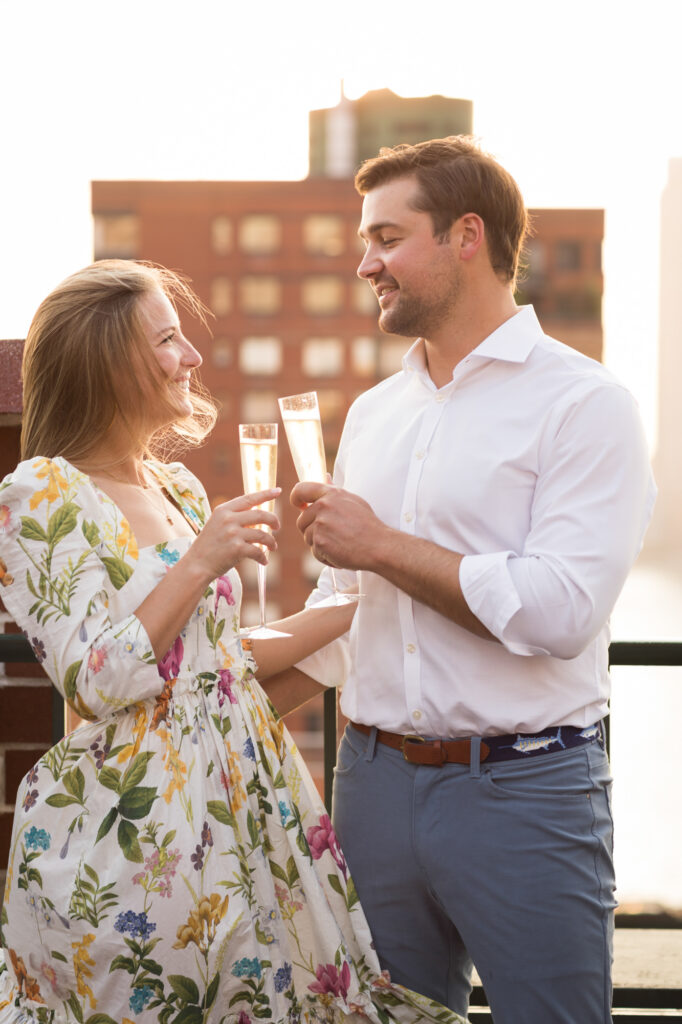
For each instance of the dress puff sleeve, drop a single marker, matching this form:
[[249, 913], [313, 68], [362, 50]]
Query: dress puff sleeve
[[68, 564]]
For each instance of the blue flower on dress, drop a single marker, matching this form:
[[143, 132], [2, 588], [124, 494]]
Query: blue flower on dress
[[136, 924], [249, 751], [246, 968], [283, 978], [284, 810], [37, 839], [140, 998], [168, 555]]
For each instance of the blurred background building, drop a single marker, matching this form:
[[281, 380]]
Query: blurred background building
[[275, 261]]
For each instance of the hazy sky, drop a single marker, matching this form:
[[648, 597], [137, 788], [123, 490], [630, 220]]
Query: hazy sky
[[581, 101]]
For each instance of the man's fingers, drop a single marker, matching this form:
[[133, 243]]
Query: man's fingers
[[306, 493]]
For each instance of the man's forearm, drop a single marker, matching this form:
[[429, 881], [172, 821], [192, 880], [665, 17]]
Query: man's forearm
[[429, 574]]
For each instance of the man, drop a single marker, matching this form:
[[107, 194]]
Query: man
[[492, 497]]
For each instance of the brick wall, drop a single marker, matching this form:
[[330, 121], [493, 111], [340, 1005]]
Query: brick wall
[[25, 691]]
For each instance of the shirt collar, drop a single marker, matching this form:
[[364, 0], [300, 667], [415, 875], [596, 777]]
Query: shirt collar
[[512, 341]]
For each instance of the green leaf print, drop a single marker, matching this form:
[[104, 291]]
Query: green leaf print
[[137, 803], [218, 809], [91, 532], [110, 778], [136, 771], [118, 571], [74, 783], [212, 991], [100, 1018], [61, 523], [105, 827], [123, 963], [292, 872], [189, 1015], [32, 530], [69, 680], [76, 1007], [185, 988], [127, 840], [278, 872], [61, 800]]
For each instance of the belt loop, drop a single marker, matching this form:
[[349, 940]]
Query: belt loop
[[475, 762], [371, 744]]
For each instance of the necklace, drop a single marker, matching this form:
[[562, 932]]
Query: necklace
[[146, 487]]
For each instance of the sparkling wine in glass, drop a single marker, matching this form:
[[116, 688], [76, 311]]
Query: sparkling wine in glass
[[258, 449], [301, 418]]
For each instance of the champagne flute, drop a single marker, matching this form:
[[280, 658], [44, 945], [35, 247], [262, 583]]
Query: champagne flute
[[258, 449], [301, 418]]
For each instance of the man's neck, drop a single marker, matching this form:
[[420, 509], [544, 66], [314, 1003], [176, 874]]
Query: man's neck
[[455, 340]]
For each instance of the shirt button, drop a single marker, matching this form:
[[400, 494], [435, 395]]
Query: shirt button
[[408, 517], [410, 648], [416, 715], [420, 454], [440, 398]]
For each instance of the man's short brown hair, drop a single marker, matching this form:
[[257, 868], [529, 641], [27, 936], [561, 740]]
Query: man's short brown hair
[[456, 177]]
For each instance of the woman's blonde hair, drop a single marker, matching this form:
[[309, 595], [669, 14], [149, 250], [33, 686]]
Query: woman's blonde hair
[[87, 357]]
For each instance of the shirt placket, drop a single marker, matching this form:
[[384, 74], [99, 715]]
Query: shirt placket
[[409, 524]]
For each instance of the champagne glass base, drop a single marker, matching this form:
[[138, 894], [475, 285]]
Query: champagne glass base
[[336, 599], [262, 633]]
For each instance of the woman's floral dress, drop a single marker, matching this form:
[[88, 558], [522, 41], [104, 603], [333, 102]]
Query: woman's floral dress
[[170, 859]]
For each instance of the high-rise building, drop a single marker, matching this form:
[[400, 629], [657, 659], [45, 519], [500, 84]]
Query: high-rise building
[[275, 261]]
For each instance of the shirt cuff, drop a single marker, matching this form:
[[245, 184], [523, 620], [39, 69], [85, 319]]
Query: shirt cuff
[[489, 590]]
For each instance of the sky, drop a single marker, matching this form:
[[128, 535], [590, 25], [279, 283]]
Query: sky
[[580, 101]]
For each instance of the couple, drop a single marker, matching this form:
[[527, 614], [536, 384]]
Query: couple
[[170, 861]]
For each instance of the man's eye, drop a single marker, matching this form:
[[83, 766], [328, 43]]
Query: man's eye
[[388, 241]]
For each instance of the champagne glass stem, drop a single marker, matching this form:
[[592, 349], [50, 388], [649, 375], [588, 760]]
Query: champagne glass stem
[[261, 592]]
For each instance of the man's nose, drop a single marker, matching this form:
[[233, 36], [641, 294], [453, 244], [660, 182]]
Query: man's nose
[[370, 265]]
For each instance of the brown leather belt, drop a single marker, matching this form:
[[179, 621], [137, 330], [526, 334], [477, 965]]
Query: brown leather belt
[[420, 751], [521, 746]]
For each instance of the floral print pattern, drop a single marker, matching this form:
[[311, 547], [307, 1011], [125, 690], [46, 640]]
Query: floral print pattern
[[170, 860]]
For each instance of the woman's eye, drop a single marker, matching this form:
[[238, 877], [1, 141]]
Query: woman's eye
[[168, 337]]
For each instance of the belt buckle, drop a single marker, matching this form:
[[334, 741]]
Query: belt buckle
[[413, 738]]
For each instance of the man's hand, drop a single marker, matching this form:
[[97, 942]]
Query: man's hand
[[339, 527]]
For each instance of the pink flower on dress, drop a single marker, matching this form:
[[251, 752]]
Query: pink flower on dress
[[223, 588], [98, 656], [225, 687], [330, 979], [323, 837], [169, 665]]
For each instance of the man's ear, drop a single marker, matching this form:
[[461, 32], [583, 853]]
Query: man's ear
[[471, 231]]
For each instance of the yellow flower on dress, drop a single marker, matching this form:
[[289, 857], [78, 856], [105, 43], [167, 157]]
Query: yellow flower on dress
[[237, 793], [131, 750], [56, 484], [126, 540], [201, 925], [82, 962], [177, 768]]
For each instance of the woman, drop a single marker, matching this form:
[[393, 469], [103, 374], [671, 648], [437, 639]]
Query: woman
[[170, 860]]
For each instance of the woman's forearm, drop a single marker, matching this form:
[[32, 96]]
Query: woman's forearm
[[310, 629]]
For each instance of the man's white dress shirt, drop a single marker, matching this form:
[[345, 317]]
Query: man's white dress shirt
[[531, 462]]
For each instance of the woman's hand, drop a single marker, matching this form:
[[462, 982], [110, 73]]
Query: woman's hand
[[233, 532]]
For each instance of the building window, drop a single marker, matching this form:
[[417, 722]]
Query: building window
[[363, 298], [117, 236], [568, 255], [260, 295], [221, 296], [221, 353], [222, 459], [222, 234], [259, 407], [391, 352], [260, 234], [322, 294], [363, 356], [322, 357], [323, 235], [260, 355]]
